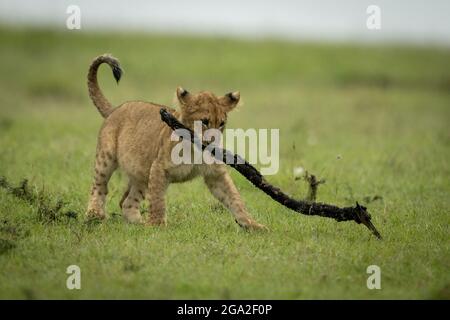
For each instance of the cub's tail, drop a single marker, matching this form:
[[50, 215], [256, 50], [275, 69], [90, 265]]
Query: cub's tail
[[102, 104]]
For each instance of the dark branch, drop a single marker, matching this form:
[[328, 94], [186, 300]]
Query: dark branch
[[358, 213], [313, 184]]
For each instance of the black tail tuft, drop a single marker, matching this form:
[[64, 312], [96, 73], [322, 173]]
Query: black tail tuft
[[117, 72]]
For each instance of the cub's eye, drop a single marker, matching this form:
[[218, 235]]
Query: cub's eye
[[205, 122], [222, 124]]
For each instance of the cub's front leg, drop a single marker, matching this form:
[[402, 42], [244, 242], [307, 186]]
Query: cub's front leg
[[221, 185]]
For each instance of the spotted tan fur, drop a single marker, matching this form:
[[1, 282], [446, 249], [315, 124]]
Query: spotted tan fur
[[134, 138]]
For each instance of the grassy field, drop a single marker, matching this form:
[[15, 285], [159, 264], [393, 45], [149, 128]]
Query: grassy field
[[372, 121]]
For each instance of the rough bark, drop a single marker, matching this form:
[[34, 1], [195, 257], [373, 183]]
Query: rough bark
[[358, 213], [313, 184]]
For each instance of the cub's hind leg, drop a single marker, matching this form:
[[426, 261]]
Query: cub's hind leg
[[125, 195], [133, 197], [105, 164], [157, 186]]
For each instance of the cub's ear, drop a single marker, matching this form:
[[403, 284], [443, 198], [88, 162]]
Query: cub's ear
[[231, 99], [183, 96]]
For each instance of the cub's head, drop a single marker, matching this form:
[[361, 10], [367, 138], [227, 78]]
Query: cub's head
[[206, 107]]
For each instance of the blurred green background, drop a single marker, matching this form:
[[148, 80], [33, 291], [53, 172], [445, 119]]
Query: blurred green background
[[371, 120]]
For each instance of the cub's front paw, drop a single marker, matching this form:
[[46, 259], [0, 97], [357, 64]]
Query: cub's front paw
[[156, 222], [251, 225], [257, 226], [95, 214], [134, 219]]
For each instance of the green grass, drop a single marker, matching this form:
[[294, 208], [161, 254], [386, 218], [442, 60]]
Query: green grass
[[384, 110]]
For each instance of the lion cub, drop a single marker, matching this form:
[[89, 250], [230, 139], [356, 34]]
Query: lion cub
[[134, 138]]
